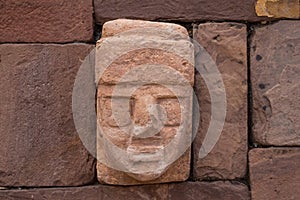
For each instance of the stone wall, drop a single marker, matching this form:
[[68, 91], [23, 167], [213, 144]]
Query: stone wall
[[256, 48]]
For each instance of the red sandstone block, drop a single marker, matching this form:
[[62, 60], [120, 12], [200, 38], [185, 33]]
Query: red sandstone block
[[179, 10], [275, 173], [46, 21], [39, 145], [182, 191], [226, 44], [275, 72], [159, 157], [98, 192], [212, 191]]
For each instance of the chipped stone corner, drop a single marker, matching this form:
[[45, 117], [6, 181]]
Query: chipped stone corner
[[278, 8]]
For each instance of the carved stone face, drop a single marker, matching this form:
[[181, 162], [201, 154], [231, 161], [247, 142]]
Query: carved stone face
[[144, 108], [141, 125]]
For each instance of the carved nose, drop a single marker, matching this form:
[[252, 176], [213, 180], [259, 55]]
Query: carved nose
[[141, 109], [149, 117]]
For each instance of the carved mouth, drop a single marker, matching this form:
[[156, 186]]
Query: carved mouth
[[145, 176], [146, 162], [145, 154]]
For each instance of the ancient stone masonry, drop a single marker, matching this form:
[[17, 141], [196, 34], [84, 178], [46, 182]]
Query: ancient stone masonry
[[186, 190], [275, 65], [39, 145], [57, 21], [179, 10], [145, 73], [275, 173], [226, 44], [200, 102], [278, 8]]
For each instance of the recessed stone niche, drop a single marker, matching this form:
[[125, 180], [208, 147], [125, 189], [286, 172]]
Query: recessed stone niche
[[144, 76]]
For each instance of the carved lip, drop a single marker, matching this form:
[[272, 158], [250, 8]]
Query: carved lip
[[145, 153]]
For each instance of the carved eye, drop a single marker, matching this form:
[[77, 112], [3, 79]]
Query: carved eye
[[172, 109], [122, 116]]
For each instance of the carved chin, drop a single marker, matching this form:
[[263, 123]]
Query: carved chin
[[145, 176]]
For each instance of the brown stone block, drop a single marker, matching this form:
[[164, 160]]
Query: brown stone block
[[46, 21], [39, 145], [226, 44], [188, 10], [275, 173], [212, 191], [275, 71], [98, 192], [145, 73], [187, 190]]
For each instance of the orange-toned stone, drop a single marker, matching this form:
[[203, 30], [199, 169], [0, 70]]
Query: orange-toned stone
[[278, 8], [144, 108]]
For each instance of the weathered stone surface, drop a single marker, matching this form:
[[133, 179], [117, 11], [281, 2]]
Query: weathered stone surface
[[226, 44], [99, 192], [275, 173], [188, 10], [188, 190], [212, 190], [275, 71], [39, 145], [278, 8], [157, 61], [46, 21]]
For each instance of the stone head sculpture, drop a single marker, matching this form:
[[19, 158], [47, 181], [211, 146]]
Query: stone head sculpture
[[144, 75]]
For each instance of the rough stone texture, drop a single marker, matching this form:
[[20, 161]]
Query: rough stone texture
[[46, 21], [153, 43], [213, 191], [99, 192], [188, 10], [275, 173], [39, 145], [187, 190], [226, 43], [275, 71], [278, 8]]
